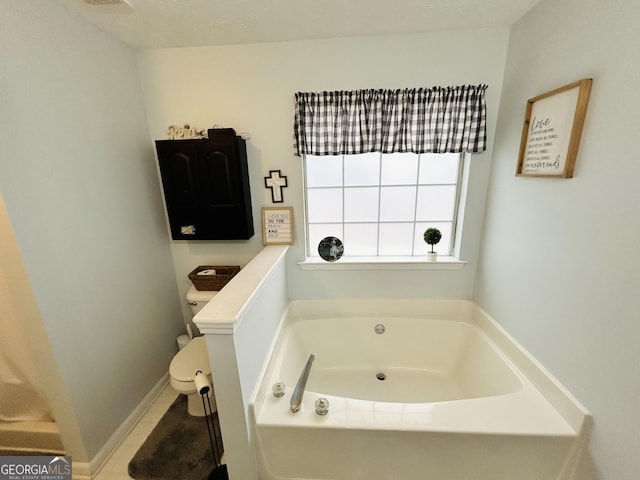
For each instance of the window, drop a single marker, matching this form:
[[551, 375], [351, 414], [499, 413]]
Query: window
[[380, 204]]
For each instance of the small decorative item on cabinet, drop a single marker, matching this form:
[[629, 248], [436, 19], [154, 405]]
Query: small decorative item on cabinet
[[175, 133], [212, 277]]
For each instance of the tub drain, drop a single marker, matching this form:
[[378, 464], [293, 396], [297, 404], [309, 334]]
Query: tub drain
[[381, 376]]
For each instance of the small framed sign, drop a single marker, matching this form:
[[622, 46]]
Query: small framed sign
[[277, 225], [551, 131]]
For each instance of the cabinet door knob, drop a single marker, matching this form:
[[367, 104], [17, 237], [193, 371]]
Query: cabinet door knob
[[193, 304]]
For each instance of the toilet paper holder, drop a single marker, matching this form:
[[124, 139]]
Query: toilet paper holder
[[203, 386]]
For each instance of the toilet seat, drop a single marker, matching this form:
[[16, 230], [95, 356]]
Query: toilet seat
[[186, 362]]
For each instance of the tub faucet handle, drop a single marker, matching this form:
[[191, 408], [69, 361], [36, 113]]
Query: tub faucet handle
[[278, 389], [322, 406]]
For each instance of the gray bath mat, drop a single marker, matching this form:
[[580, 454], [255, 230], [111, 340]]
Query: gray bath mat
[[178, 448]]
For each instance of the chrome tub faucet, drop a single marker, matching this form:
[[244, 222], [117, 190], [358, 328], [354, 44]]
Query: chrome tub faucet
[[298, 392]]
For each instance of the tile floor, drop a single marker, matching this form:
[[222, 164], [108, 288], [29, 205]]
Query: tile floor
[[116, 466]]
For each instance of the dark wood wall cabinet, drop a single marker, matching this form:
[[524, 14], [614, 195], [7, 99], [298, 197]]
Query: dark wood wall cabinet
[[206, 188]]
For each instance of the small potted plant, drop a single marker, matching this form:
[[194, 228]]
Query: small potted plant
[[432, 236]]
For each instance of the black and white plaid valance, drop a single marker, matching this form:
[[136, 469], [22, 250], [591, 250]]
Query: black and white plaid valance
[[424, 120]]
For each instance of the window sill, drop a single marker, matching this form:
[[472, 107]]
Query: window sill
[[383, 263]]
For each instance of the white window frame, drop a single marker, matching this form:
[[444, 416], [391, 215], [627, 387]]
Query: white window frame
[[415, 261]]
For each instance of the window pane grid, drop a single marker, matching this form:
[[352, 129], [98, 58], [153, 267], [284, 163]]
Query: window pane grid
[[379, 205], [376, 220]]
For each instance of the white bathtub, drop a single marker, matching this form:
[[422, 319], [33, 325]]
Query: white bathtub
[[459, 399]]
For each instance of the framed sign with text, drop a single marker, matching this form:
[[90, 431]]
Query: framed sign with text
[[277, 225], [551, 131]]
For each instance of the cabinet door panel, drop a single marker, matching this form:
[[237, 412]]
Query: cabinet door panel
[[217, 170], [178, 163]]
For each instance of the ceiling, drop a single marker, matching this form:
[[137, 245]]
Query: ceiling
[[176, 23]]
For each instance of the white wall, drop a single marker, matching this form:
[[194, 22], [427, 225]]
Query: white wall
[[560, 259], [251, 88], [77, 172]]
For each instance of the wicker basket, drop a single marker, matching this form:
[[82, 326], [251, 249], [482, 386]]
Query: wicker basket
[[213, 282]]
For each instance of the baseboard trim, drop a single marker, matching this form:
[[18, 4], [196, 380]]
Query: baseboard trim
[[87, 471], [81, 471]]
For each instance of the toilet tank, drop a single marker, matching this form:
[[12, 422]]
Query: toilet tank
[[197, 299]]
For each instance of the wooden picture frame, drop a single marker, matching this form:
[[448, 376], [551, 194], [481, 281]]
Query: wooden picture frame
[[277, 225], [551, 131]]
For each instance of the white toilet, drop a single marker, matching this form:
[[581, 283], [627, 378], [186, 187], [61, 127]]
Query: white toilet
[[192, 358]]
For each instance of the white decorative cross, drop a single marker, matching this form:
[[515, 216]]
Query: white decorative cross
[[276, 183]]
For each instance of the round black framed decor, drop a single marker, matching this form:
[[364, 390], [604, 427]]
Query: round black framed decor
[[330, 249]]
